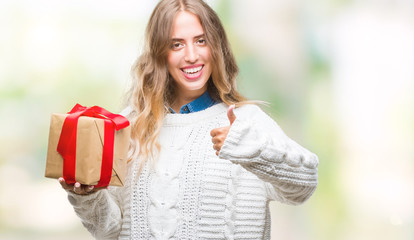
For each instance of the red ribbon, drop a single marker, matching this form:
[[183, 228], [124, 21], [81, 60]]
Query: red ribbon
[[67, 141]]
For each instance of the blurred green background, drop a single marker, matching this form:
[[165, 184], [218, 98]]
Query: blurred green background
[[339, 76]]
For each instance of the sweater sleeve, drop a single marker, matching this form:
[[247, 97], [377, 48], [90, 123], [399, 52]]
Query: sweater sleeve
[[259, 145], [100, 212]]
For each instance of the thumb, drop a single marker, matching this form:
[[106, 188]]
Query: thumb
[[230, 114]]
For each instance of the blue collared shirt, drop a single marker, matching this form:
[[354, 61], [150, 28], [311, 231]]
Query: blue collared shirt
[[203, 102]]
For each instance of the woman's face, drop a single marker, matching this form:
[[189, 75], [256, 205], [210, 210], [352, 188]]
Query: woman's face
[[189, 58]]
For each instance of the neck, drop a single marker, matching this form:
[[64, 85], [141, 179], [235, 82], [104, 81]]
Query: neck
[[182, 99]]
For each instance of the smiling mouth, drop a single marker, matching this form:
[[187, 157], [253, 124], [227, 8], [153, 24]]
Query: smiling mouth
[[192, 72]]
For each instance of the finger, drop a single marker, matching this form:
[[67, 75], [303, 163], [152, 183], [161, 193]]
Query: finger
[[99, 188], [89, 189], [219, 131], [64, 184], [213, 132], [217, 147], [77, 188], [217, 153], [230, 114]]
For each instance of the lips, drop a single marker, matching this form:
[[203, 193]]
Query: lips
[[192, 72]]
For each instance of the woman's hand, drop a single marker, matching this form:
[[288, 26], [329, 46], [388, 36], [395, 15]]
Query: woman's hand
[[219, 134], [78, 188]]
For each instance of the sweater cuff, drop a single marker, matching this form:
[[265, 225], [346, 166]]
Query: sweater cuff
[[240, 145], [77, 200]]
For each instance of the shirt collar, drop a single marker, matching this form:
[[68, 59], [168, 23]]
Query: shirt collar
[[203, 102]]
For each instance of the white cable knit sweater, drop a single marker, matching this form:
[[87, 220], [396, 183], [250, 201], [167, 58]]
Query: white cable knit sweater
[[193, 194]]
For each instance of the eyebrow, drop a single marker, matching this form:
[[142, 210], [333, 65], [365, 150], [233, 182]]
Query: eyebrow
[[180, 39]]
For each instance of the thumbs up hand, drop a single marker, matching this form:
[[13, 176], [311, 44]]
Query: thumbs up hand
[[219, 134]]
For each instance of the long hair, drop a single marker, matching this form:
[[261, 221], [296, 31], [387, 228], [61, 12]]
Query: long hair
[[152, 88]]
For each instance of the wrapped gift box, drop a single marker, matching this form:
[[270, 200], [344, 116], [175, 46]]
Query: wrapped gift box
[[89, 150]]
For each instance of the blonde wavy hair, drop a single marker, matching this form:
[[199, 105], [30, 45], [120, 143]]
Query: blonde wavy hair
[[152, 88]]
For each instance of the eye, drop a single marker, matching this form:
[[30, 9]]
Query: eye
[[201, 41], [176, 45]]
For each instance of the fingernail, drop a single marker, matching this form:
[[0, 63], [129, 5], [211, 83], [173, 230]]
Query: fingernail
[[77, 184], [61, 179], [91, 187]]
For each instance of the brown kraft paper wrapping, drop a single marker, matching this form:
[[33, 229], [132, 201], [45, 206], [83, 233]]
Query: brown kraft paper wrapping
[[89, 149]]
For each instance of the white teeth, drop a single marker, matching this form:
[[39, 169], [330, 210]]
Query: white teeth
[[192, 70]]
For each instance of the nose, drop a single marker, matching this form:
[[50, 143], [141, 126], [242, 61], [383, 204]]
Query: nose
[[191, 54]]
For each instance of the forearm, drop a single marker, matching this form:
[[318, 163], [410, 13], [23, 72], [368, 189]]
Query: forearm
[[260, 146], [288, 185], [99, 212]]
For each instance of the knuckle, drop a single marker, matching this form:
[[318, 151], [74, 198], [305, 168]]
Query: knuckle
[[213, 132]]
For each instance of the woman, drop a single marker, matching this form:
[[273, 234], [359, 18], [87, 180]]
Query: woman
[[200, 168]]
